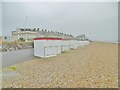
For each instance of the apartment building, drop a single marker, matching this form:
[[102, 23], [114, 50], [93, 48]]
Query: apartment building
[[28, 34]]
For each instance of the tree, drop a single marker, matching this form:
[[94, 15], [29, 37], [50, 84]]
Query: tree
[[5, 37], [22, 39]]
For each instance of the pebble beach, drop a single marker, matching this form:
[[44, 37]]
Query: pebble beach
[[92, 66]]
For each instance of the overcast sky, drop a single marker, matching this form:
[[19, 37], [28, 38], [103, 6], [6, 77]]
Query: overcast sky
[[99, 21]]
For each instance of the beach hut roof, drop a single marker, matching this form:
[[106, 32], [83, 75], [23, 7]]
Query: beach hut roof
[[48, 38]]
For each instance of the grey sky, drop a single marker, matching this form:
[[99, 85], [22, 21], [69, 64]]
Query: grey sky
[[0, 18], [99, 19]]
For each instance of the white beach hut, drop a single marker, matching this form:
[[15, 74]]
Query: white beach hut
[[62, 46], [58, 44], [83, 43], [45, 47], [86, 42], [68, 45], [74, 44], [65, 45], [51, 46]]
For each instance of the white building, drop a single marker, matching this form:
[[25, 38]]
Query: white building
[[28, 34], [23, 34]]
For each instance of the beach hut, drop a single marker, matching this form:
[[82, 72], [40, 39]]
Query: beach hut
[[68, 45], [83, 43], [58, 44], [51, 46], [46, 47], [86, 42], [74, 44], [65, 45]]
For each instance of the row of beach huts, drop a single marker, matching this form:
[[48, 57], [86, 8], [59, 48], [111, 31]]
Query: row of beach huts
[[47, 47]]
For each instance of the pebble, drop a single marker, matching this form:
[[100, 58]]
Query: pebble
[[81, 71]]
